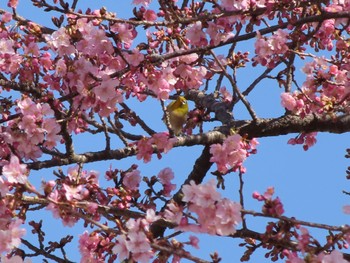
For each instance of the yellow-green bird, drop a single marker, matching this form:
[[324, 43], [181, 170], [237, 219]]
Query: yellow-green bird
[[177, 111]]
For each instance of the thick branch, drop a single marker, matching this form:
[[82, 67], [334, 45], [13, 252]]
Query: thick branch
[[294, 124], [263, 128]]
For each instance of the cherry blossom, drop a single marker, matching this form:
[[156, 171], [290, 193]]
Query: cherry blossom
[[15, 172], [14, 259], [120, 248], [165, 176], [141, 2], [10, 235], [60, 42], [232, 153], [216, 215], [196, 35], [132, 180], [267, 49]]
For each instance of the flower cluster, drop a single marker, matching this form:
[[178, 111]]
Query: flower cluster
[[325, 91], [306, 139], [77, 186], [36, 127], [160, 140], [334, 257], [10, 228], [93, 247], [216, 215], [268, 49], [14, 172], [165, 176], [272, 207], [135, 244], [232, 152]]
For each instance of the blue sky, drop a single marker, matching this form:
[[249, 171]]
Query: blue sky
[[309, 183]]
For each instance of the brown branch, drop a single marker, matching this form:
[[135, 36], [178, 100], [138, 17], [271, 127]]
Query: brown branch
[[295, 221], [23, 21], [42, 252], [23, 87], [30, 200], [263, 128], [179, 252], [294, 124]]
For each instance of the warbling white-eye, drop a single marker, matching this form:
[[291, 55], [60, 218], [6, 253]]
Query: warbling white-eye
[[177, 111]]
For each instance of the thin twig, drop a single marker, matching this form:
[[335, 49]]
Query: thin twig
[[237, 91]]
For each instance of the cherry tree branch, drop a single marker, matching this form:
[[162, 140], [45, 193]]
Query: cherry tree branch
[[263, 128], [39, 251]]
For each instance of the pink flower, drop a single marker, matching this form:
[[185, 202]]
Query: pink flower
[[140, 247], [216, 216], [150, 216], [10, 237], [60, 41], [141, 2], [334, 257], [310, 140], [166, 175], [4, 188], [132, 180], [173, 213], [126, 33], [217, 34], [163, 142], [12, 3], [14, 259], [107, 89], [150, 15], [195, 34], [52, 129], [232, 152], [271, 206], [189, 76], [160, 85], [231, 5], [227, 96], [60, 212], [194, 241], [120, 248], [227, 216], [87, 245], [6, 17], [145, 150], [73, 173], [134, 225], [307, 139], [73, 192], [268, 49], [292, 257], [202, 195], [15, 172], [303, 239], [61, 68], [288, 101], [135, 58], [346, 209]]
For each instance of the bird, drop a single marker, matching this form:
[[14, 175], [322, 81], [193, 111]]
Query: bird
[[177, 111]]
